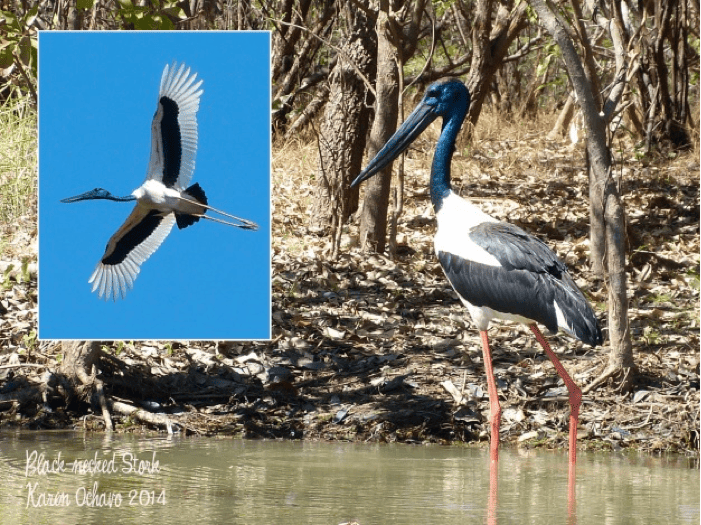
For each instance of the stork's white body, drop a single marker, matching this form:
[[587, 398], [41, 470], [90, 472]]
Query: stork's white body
[[455, 218], [154, 195]]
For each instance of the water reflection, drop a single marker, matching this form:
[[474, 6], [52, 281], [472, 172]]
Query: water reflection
[[256, 482]]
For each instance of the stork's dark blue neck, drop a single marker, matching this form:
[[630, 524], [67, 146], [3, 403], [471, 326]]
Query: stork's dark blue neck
[[440, 168], [128, 198]]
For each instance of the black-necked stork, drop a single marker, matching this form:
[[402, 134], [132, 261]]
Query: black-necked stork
[[163, 198], [498, 270]]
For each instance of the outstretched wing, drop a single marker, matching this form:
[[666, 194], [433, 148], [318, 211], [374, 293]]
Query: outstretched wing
[[140, 235], [174, 128]]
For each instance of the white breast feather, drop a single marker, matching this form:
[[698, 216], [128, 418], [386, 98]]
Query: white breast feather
[[455, 219]]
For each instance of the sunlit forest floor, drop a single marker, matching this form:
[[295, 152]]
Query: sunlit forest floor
[[366, 348]]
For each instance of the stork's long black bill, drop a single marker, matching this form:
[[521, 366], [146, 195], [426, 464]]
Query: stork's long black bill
[[97, 193], [73, 199], [415, 123]]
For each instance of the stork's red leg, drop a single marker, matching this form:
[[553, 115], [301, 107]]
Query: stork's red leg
[[494, 408], [493, 493], [574, 390]]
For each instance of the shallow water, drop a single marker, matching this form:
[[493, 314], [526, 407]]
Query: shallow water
[[180, 480]]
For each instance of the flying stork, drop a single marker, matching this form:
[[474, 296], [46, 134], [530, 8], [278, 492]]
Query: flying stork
[[164, 198], [497, 270]]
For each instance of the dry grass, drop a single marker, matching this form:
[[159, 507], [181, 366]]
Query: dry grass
[[18, 173], [294, 171]]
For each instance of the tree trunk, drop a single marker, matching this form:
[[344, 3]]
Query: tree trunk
[[373, 216], [79, 370], [79, 359], [665, 106], [597, 224], [292, 64], [564, 120], [344, 128], [490, 46], [286, 37], [603, 188]]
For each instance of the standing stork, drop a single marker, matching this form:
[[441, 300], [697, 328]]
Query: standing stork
[[163, 198], [498, 270]]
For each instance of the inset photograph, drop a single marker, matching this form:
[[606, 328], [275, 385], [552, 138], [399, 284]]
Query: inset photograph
[[154, 185]]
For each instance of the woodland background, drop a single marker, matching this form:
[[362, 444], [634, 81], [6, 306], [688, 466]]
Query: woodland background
[[584, 130]]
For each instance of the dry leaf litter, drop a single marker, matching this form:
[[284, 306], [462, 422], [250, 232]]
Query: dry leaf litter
[[366, 348]]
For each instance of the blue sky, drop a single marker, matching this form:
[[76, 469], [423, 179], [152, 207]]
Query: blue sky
[[97, 96]]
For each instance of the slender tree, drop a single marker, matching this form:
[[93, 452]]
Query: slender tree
[[603, 188], [373, 225]]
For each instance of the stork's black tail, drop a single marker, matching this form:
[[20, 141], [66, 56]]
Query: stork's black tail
[[196, 193], [578, 314]]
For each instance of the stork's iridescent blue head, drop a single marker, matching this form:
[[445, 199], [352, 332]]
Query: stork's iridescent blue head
[[98, 193], [447, 98]]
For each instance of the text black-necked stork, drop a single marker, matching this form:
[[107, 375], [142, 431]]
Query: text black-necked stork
[[498, 270], [163, 199]]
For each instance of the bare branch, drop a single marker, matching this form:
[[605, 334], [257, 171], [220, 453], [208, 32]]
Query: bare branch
[[350, 61]]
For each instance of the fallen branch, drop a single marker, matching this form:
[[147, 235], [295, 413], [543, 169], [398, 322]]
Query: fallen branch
[[142, 415], [453, 391], [21, 365], [100, 393]]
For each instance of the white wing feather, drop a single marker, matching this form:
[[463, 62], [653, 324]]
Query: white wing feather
[[114, 280], [178, 85]]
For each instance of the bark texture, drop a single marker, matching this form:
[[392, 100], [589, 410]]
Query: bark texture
[[344, 128], [373, 216], [490, 44]]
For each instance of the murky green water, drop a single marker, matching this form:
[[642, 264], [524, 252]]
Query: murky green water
[[186, 480]]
